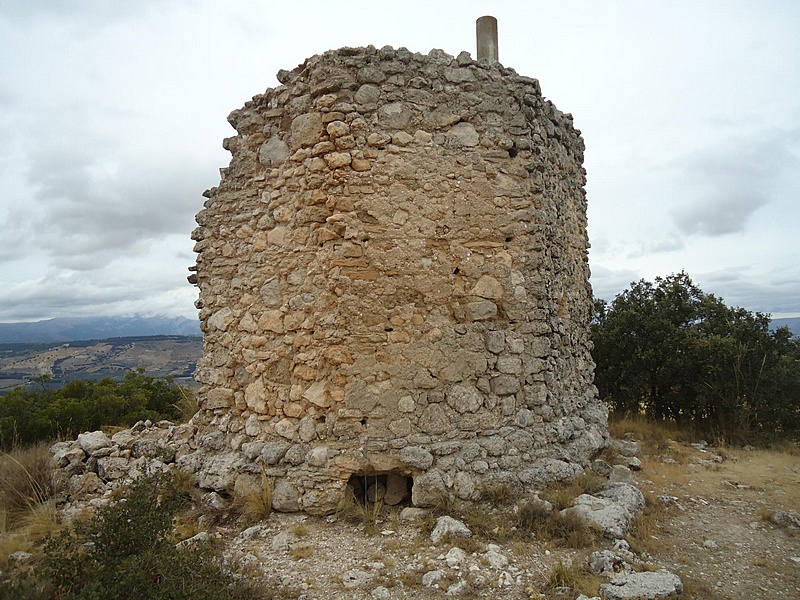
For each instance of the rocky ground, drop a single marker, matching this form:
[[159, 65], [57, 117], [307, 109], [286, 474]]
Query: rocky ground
[[708, 520], [712, 523]]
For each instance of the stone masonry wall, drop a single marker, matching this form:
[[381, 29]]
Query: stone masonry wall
[[393, 280]]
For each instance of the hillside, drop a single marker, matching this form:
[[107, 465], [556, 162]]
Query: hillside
[[792, 323], [159, 356], [95, 328]]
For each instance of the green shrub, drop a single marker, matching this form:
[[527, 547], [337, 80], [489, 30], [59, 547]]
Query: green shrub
[[127, 551], [28, 416]]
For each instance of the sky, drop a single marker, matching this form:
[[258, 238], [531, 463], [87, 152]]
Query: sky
[[113, 112]]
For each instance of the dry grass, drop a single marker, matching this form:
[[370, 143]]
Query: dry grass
[[366, 515], [187, 405], [575, 577], [562, 494], [255, 503], [26, 482], [647, 532], [499, 493], [300, 529], [301, 552], [27, 498], [551, 526], [655, 437]]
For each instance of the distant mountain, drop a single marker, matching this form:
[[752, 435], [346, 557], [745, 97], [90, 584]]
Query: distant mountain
[[792, 323], [95, 328]]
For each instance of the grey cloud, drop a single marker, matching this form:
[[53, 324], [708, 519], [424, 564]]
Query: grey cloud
[[730, 181], [89, 221], [607, 283], [752, 291], [719, 214]]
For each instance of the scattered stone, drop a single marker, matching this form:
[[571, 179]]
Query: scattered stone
[[495, 558], [380, 593], [642, 586], [91, 442], [199, 538], [786, 518], [411, 513], [355, 578], [455, 557], [430, 578], [18, 558], [607, 564], [620, 474], [447, 527], [611, 511]]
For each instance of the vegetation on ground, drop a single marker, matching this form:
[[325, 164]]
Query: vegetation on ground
[[127, 550], [669, 350], [28, 416]]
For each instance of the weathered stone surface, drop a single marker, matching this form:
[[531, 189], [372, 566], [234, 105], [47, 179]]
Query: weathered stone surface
[[648, 585], [611, 511], [449, 527], [91, 442], [372, 272], [273, 152], [414, 456]]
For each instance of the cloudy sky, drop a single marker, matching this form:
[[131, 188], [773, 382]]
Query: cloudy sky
[[112, 114]]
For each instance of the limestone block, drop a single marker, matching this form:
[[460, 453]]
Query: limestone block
[[647, 585], [91, 442], [488, 287], [273, 152], [255, 397], [271, 320], [221, 319], [367, 94], [337, 129], [428, 489], [273, 452], [285, 497], [481, 310], [416, 457], [336, 160], [503, 385], [462, 135], [306, 129], [463, 398], [219, 397], [286, 428], [318, 456], [434, 420], [396, 489], [317, 394]]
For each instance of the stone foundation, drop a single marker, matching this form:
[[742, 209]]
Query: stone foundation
[[394, 282]]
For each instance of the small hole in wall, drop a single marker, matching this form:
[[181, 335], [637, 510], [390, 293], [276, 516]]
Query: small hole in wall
[[388, 329], [388, 488], [509, 238], [456, 271], [512, 152], [363, 421]]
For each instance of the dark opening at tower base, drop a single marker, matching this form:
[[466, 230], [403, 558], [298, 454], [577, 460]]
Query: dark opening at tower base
[[390, 489]]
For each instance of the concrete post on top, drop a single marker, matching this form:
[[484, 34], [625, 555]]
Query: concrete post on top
[[486, 31]]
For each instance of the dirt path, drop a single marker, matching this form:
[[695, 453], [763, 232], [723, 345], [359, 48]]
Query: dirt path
[[718, 532]]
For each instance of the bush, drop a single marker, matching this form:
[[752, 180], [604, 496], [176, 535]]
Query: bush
[[675, 353], [28, 416], [127, 551]]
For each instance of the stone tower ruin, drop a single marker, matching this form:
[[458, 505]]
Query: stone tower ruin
[[394, 286]]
